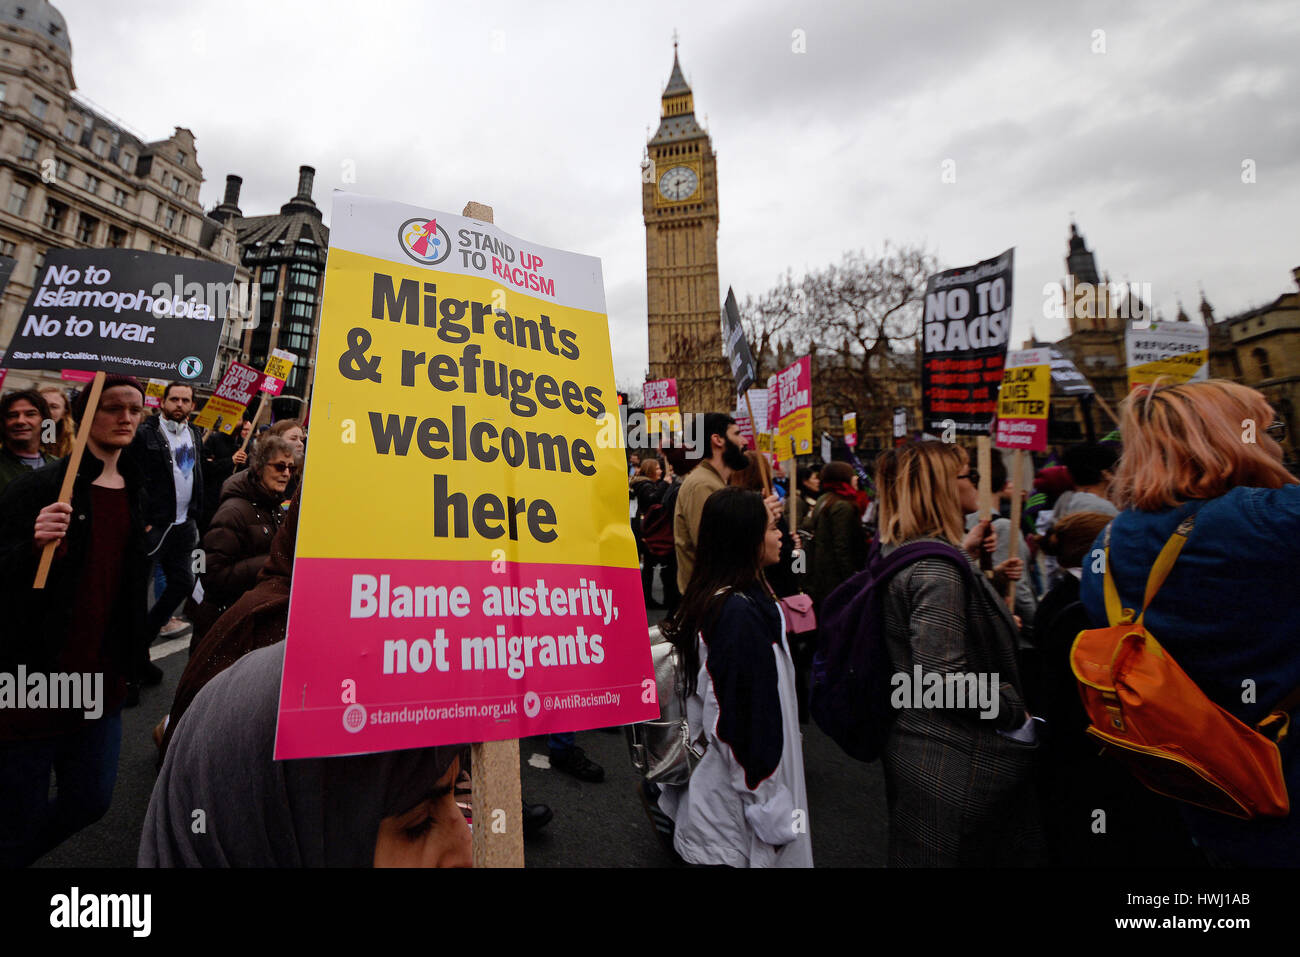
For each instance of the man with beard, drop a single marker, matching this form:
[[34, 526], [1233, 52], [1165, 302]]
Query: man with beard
[[724, 449], [167, 448], [21, 415]]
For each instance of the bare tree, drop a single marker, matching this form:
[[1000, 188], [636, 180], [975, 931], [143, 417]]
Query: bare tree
[[859, 319]]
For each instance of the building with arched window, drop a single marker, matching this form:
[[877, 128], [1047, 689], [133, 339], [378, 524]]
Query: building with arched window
[[74, 177], [285, 252]]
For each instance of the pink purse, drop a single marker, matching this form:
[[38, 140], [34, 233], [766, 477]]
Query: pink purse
[[799, 616]]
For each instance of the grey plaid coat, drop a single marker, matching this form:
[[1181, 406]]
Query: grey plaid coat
[[959, 794]]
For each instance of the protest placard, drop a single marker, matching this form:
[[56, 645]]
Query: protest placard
[[661, 410], [1023, 400], [751, 418], [125, 312], [1178, 352], [966, 324], [737, 346], [792, 409], [851, 429], [238, 387], [153, 392], [900, 422], [277, 371], [490, 589]]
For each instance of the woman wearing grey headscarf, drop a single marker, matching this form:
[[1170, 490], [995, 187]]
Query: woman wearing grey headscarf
[[222, 801]]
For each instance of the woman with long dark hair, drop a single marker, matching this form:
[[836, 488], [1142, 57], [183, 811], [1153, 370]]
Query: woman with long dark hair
[[745, 804]]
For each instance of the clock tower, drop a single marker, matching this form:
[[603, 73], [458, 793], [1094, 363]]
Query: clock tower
[[679, 197]]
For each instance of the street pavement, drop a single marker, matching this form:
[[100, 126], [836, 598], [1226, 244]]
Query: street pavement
[[595, 825]]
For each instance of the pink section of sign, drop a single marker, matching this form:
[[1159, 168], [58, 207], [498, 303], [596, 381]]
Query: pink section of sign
[[76, 375], [660, 394], [1027, 434], [272, 386], [793, 389], [385, 654]]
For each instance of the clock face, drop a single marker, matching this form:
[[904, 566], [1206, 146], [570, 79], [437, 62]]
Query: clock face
[[678, 183]]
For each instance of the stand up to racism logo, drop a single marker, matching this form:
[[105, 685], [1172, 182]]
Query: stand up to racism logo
[[424, 241]]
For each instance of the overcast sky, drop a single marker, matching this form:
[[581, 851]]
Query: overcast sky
[[541, 111]]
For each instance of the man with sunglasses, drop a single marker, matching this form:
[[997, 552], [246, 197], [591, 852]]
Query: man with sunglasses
[[78, 633]]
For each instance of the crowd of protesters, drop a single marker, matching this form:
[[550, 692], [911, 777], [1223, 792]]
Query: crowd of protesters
[[160, 518], [1030, 787]]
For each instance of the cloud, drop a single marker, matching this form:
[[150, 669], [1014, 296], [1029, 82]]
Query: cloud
[[542, 111]]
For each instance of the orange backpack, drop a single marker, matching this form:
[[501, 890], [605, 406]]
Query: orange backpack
[[1153, 717]]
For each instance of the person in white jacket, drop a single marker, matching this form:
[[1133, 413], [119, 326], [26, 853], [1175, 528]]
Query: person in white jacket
[[745, 804]]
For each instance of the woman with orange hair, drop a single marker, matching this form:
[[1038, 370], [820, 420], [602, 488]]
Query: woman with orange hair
[[1227, 613]]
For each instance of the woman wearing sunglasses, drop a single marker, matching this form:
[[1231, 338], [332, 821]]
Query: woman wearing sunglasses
[[238, 541]]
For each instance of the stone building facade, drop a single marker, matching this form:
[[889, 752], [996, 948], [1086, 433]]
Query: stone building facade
[[1259, 348], [285, 253], [72, 177], [679, 197]]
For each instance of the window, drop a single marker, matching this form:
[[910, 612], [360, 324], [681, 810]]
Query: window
[[180, 157], [86, 228], [119, 196], [1265, 367], [37, 266], [127, 161], [39, 106], [18, 198], [116, 237], [70, 129], [169, 218], [93, 183], [30, 145], [61, 170], [7, 249], [2, 92], [101, 147], [54, 213]]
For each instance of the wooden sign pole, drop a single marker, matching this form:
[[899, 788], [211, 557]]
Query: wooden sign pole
[[1017, 477], [789, 497], [753, 427], [261, 404], [494, 765], [1105, 405], [70, 477], [984, 465]]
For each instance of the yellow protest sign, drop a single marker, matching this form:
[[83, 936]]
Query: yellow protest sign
[[463, 554], [1179, 352]]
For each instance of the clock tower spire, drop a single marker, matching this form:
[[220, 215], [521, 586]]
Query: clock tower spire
[[679, 198]]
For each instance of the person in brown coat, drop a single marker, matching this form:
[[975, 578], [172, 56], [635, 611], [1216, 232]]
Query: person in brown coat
[[256, 620], [238, 541]]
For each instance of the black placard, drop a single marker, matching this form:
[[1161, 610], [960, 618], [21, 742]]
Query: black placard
[[125, 312]]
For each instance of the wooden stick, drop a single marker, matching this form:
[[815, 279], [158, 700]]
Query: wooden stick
[[1109, 411], [261, 404], [70, 477], [984, 465], [789, 498], [1017, 474], [494, 765]]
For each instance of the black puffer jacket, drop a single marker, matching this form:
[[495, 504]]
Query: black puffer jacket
[[239, 539]]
